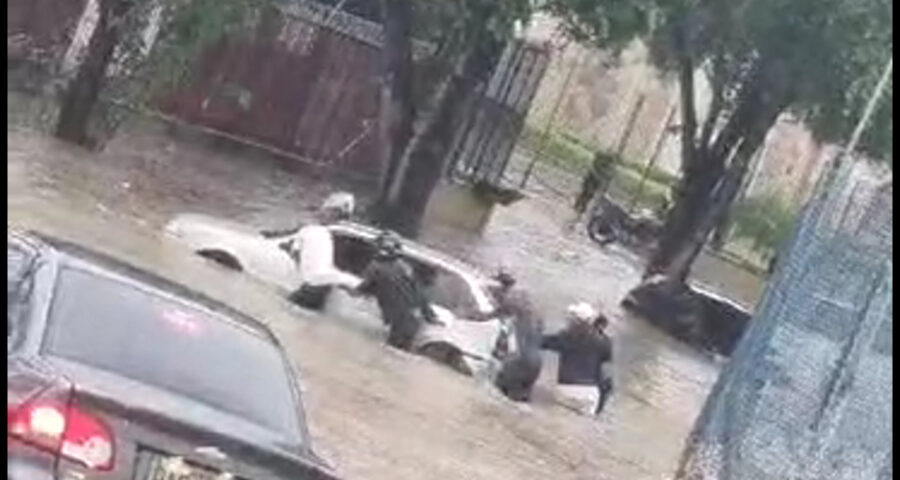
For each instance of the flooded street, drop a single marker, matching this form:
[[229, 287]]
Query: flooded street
[[375, 413]]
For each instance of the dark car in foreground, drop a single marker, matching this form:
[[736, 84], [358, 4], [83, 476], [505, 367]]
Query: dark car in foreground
[[114, 373]]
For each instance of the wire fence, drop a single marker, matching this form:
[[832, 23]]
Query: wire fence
[[808, 393]]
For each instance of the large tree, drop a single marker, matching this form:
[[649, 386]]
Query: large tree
[[470, 35], [123, 60], [397, 111], [78, 103], [815, 59]]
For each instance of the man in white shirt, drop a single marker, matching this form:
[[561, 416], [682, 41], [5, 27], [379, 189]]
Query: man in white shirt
[[313, 248]]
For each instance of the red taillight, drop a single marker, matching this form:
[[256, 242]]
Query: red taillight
[[63, 430]]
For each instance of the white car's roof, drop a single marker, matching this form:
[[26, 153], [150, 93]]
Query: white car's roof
[[414, 248], [366, 232], [201, 219]]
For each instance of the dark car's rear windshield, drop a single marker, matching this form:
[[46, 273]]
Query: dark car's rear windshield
[[105, 324]]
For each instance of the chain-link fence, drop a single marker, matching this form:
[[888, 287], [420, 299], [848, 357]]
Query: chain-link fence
[[808, 393]]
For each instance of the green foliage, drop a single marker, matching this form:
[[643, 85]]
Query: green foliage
[[609, 24], [827, 54], [573, 154], [558, 149], [142, 70], [836, 50], [765, 221], [455, 26], [627, 181], [188, 28]]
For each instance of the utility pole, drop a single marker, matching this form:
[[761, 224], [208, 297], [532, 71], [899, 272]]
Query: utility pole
[[866, 116], [545, 135], [629, 125], [654, 155]]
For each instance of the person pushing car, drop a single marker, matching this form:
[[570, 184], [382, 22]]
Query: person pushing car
[[403, 305], [521, 369], [585, 350], [312, 247]]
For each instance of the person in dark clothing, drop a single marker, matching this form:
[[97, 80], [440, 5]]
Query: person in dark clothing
[[584, 349], [773, 263], [521, 369], [403, 306], [595, 181], [606, 382]]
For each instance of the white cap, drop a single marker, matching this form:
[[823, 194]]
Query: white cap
[[342, 202], [581, 311]]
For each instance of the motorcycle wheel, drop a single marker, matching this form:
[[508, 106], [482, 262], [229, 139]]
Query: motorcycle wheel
[[600, 231]]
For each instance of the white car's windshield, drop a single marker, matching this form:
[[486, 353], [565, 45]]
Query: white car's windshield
[[442, 286]]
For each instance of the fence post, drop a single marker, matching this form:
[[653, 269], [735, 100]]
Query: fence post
[[546, 133], [629, 125], [654, 156]]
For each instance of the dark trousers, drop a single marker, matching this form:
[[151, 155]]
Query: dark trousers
[[606, 387], [588, 188], [312, 297], [517, 377], [402, 332]]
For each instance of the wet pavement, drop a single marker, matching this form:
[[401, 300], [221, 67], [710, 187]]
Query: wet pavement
[[379, 414]]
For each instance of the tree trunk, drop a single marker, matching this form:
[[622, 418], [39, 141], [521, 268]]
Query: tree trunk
[[722, 196], [688, 107], [691, 200], [721, 232], [691, 193], [83, 93], [397, 112], [720, 199], [421, 169], [763, 97]]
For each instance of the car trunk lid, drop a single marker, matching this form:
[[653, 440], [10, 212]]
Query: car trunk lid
[[156, 429]]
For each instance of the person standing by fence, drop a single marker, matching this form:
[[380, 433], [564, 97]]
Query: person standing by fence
[[596, 181]]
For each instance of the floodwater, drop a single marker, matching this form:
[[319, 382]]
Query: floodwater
[[376, 413]]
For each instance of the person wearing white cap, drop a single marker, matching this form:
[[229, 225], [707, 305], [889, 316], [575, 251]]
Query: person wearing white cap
[[313, 247], [584, 349]]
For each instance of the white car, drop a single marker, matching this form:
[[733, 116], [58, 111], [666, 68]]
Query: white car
[[467, 337]]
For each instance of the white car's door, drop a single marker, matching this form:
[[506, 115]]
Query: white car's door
[[455, 297], [271, 264]]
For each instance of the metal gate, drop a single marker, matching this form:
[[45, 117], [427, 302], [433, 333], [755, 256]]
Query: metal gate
[[485, 141], [307, 83]]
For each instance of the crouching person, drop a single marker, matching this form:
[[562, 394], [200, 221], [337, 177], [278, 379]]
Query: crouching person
[[585, 352]]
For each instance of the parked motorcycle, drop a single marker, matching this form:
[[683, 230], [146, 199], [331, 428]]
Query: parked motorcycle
[[611, 223]]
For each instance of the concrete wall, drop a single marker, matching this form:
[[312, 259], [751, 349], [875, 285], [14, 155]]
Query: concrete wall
[[457, 206]]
